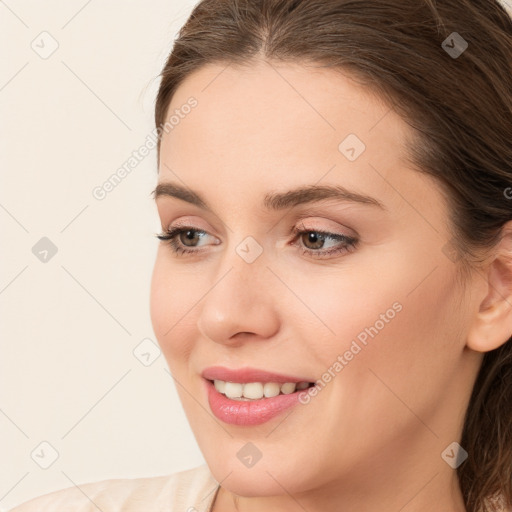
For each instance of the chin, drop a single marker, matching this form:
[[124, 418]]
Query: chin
[[263, 479], [251, 483]]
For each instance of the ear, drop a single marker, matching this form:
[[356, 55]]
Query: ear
[[492, 325]]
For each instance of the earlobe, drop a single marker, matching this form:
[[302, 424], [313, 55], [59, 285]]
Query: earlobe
[[491, 328], [492, 324]]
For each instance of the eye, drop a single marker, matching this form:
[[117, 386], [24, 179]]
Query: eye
[[315, 241], [180, 243]]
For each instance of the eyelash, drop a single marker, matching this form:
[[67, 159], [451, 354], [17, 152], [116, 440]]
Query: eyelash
[[349, 243]]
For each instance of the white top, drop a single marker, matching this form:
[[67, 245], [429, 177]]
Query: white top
[[192, 490]]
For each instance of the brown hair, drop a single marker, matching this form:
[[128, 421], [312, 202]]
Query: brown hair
[[460, 106]]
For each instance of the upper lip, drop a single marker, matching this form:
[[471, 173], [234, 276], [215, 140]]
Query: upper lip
[[247, 374]]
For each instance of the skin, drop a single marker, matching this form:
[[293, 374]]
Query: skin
[[372, 438]]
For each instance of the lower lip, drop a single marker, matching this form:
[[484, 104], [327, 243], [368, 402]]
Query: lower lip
[[254, 412]]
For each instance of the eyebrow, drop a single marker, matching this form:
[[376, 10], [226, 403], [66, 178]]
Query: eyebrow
[[275, 200]]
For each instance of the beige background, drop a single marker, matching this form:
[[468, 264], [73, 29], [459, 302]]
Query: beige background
[[68, 373]]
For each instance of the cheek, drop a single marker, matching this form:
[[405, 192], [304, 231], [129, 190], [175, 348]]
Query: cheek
[[410, 359], [171, 312], [159, 298], [339, 309], [390, 319]]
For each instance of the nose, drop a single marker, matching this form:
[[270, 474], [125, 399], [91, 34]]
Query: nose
[[240, 305]]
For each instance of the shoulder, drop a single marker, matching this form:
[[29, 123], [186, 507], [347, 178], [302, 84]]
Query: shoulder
[[190, 489]]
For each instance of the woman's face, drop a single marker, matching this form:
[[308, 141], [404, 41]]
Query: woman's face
[[384, 318]]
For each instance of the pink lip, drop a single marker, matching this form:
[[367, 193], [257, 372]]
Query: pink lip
[[254, 412], [246, 413], [244, 375]]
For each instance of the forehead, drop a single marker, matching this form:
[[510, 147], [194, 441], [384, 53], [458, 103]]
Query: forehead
[[289, 102], [275, 125], [276, 109]]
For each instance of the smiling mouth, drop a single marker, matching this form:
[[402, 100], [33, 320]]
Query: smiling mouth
[[248, 391]]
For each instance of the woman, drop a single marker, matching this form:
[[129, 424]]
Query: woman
[[333, 286]]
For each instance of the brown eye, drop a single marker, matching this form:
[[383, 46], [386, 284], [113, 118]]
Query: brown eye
[[189, 236], [313, 241], [182, 240], [314, 238]]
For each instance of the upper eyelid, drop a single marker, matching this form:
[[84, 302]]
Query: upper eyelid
[[298, 222]]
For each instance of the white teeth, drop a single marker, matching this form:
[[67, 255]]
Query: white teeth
[[233, 389], [219, 385], [257, 390], [271, 389], [253, 390], [288, 388]]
